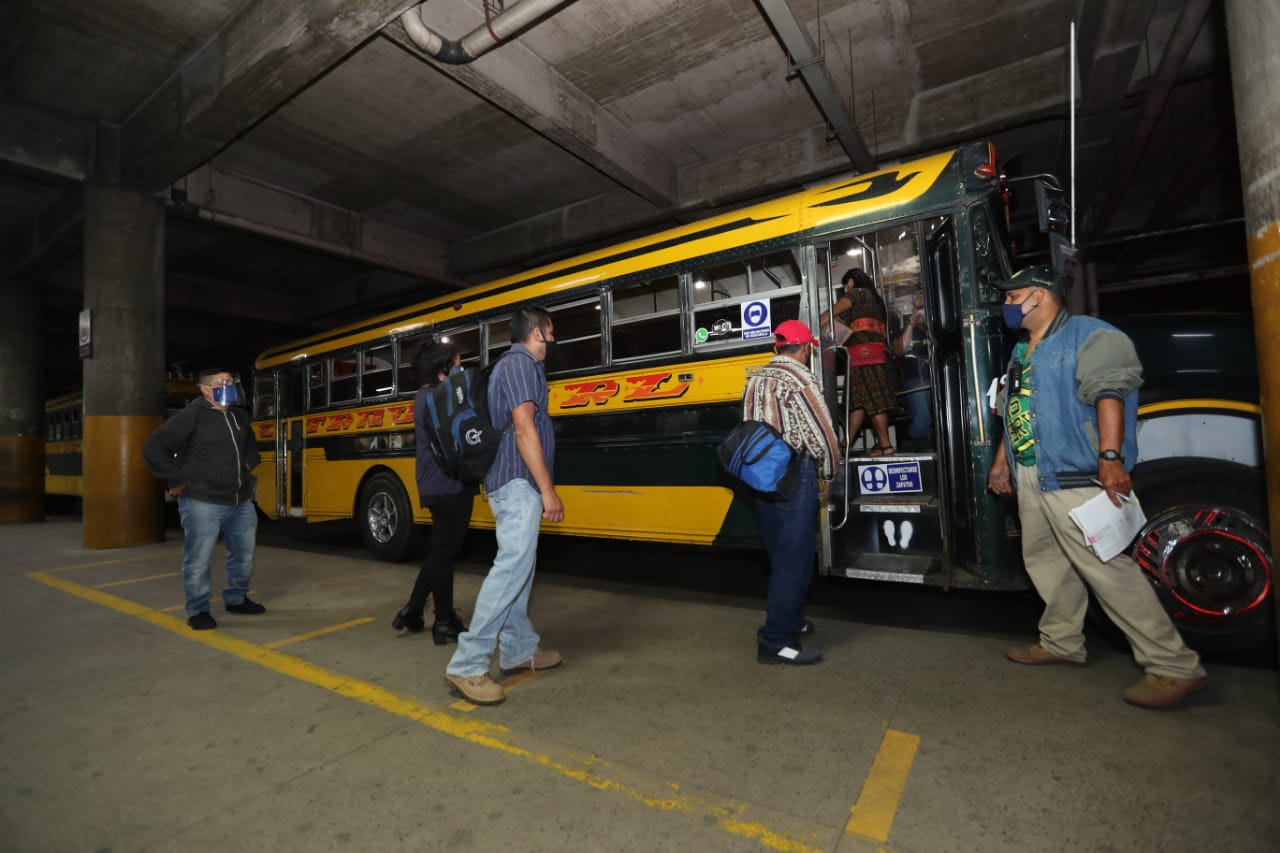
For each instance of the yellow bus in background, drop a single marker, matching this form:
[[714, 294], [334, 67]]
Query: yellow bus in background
[[64, 432]]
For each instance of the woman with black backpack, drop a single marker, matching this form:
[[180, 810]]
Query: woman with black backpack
[[450, 502]]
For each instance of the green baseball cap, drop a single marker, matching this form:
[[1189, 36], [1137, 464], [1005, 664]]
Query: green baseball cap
[[1042, 276]]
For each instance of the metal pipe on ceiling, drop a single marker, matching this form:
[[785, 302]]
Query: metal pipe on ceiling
[[1185, 31], [808, 62], [494, 31]]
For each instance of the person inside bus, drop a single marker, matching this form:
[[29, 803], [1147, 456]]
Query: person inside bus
[[785, 395], [205, 455], [1069, 403], [911, 346], [450, 503], [869, 385], [522, 494]]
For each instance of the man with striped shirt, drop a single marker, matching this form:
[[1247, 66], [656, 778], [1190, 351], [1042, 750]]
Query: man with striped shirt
[[522, 494], [785, 395]]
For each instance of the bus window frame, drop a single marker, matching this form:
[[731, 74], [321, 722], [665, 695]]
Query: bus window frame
[[415, 339], [682, 312], [323, 364], [1003, 262], [596, 297], [691, 306], [365, 353]]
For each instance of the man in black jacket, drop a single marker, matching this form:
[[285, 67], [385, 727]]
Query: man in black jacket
[[205, 454]]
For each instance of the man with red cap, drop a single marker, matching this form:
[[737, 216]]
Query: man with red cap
[[785, 395]]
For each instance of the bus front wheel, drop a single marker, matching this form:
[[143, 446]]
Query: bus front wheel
[[1206, 551], [386, 518]]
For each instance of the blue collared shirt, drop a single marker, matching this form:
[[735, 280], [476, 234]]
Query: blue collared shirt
[[518, 377]]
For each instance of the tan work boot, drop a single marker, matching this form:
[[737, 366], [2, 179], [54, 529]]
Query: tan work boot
[[479, 689], [1034, 654], [540, 660], [1161, 691]]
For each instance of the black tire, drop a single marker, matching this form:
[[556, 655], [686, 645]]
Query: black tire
[[386, 519], [1207, 552]]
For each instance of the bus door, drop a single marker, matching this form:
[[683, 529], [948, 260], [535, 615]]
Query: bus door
[[885, 520], [290, 391]]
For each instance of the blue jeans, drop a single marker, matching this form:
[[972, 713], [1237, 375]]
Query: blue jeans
[[501, 616], [790, 526], [201, 524], [920, 404]]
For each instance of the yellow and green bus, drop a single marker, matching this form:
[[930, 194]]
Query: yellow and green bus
[[655, 338]]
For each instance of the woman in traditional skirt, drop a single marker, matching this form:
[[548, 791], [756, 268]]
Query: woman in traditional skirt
[[869, 384]]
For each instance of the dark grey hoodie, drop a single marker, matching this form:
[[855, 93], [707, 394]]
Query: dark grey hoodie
[[211, 451]]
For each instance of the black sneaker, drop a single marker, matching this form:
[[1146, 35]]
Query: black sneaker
[[202, 621], [247, 607], [793, 654]]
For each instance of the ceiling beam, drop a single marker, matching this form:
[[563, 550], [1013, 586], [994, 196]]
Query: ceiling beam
[[1186, 29], [811, 66], [212, 195], [45, 142], [517, 81], [268, 52]]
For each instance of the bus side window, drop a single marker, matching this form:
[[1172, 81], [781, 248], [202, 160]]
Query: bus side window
[[343, 380], [720, 293], [499, 338], [645, 318], [317, 389], [264, 395], [376, 379], [467, 340], [406, 351], [577, 334]]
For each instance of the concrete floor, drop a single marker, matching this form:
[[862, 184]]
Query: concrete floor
[[120, 729]]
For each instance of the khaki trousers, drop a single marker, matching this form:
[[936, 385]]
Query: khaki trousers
[[1060, 565]]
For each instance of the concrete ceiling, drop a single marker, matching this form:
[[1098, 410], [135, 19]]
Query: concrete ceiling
[[318, 164]]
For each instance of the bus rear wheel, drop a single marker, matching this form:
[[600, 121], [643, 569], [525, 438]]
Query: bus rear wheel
[[1206, 551], [386, 519]]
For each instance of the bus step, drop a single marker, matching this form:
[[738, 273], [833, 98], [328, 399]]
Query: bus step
[[896, 528], [890, 567]]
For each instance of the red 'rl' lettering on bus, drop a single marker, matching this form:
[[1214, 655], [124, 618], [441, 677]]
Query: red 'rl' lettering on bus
[[580, 394], [265, 431], [401, 414], [371, 418], [648, 387], [313, 424], [337, 422]]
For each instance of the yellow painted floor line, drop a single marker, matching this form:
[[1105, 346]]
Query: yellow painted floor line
[[741, 819], [319, 632], [135, 580], [115, 562], [872, 815], [511, 682]]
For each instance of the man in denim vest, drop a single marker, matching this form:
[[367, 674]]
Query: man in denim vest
[[1070, 404]]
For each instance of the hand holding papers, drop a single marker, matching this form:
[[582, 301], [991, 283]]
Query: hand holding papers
[[1107, 528]]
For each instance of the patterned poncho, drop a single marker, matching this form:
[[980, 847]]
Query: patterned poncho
[[785, 395]]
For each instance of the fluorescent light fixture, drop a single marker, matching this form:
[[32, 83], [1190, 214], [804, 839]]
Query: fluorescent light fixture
[[903, 234], [382, 390]]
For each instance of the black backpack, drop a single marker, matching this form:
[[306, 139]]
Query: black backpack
[[463, 437]]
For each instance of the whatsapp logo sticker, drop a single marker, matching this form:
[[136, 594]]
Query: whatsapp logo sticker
[[701, 335]]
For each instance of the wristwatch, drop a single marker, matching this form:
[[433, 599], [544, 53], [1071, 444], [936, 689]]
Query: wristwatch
[[1111, 455]]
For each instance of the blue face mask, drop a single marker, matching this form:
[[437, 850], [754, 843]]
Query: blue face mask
[[225, 395], [1013, 315]]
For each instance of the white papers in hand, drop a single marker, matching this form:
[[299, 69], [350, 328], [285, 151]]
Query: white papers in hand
[[1107, 528]]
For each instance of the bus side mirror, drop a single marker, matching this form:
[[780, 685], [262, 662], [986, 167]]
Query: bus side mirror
[[1052, 208]]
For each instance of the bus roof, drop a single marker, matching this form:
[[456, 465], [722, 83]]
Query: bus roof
[[839, 204]]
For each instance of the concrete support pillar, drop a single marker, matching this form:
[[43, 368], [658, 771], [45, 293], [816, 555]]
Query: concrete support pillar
[[1254, 30], [21, 402], [124, 376]]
